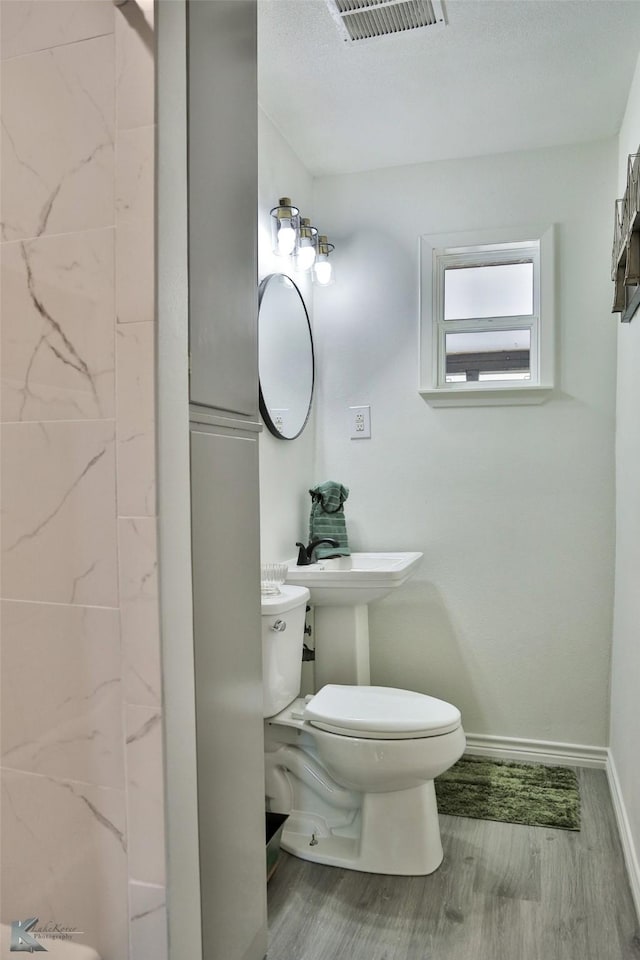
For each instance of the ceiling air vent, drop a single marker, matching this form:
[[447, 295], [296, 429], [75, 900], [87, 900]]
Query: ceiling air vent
[[366, 19]]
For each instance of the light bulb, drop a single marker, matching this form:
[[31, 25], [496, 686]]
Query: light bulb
[[306, 254], [286, 238], [322, 269]]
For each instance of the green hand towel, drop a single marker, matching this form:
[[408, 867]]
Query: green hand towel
[[327, 519]]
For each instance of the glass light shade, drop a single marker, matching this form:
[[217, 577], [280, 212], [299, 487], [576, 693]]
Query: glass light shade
[[322, 268], [323, 271], [285, 228], [286, 238], [306, 256], [306, 253]]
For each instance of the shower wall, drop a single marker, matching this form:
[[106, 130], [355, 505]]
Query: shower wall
[[82, 824]]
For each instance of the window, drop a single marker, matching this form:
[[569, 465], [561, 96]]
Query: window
[[487, 317]]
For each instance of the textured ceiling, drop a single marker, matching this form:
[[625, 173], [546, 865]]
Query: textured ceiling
[[503, 75]]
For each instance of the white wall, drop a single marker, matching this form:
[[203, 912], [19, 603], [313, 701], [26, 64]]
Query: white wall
[[625, 670], [510, 615], [286, 467]]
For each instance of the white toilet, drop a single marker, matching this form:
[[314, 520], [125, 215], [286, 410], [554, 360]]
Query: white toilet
[[353, 766]]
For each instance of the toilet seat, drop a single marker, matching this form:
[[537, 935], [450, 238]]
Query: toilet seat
[[380, 713]]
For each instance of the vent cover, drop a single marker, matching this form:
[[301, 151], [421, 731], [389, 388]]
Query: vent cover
[[367, 19]]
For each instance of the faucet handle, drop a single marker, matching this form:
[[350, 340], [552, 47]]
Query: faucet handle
[[303, 557]]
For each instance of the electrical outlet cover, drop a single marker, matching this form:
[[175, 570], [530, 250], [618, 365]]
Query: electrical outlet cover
[[360, 421]]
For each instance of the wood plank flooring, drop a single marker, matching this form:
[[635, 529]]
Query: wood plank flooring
[[504, 892]]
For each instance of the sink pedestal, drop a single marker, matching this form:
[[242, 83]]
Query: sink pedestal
[[341, 590], [342, 645]]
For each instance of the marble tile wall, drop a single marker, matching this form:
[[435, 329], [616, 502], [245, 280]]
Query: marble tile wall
[[81, 744]]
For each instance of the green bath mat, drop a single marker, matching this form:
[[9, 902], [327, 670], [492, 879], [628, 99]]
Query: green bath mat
[[513, 792]]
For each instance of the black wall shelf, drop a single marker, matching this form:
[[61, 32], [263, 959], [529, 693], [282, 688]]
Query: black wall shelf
[[625, 255]]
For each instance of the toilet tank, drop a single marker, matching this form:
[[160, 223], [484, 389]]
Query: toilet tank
[[283, 618]]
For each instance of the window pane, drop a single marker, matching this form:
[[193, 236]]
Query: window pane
[[488, 355], [500, 290]]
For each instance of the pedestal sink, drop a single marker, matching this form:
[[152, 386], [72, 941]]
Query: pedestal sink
[[341, 589]]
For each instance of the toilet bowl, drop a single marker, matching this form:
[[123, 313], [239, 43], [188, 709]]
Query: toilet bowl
[[352, 766]]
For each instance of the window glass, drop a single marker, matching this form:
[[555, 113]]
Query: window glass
[[496, 290], [488, 355]]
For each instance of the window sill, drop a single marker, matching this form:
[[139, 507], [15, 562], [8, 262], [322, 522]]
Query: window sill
[[489, 396]]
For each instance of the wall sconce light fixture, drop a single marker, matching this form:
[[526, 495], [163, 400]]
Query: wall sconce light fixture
[[323, 268], [293, 237], [285, 227]]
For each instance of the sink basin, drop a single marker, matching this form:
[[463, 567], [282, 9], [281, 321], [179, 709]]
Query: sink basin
[[354, 580]]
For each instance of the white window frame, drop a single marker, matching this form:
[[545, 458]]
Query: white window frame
[[484, 248]]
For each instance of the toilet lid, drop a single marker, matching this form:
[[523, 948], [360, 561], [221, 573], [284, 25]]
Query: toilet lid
[[383, 713]]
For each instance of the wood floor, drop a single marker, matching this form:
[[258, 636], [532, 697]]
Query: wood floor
[[503, 892]]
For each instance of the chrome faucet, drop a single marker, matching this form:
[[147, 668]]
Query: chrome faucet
[[305, 554]]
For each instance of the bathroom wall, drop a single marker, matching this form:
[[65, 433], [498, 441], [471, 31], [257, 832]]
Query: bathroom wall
[[286, 467], [625, 713], [510, 614], [82, 825]]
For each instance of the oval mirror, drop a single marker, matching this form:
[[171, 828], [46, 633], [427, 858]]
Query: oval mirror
[[285, 357]]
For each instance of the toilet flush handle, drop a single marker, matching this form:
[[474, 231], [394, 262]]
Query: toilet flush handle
[[279, 626]]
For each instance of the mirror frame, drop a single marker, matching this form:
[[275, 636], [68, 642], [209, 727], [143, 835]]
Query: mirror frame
[[264, 410]]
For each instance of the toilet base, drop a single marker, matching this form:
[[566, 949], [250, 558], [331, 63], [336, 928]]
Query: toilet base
[[381, 838]]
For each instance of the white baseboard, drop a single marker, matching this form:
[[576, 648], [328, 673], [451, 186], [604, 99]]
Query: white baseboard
[[539, 751], [624, 831]]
